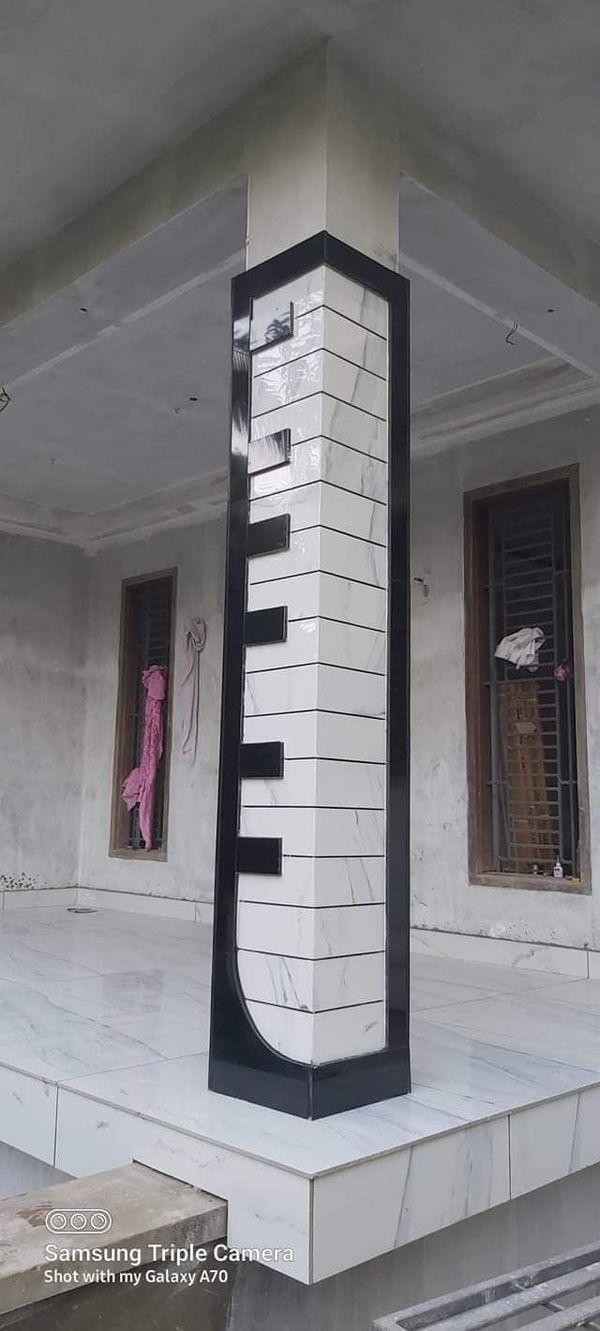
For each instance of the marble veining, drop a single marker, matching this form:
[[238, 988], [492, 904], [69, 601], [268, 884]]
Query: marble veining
[[531, 1053], [322, 735], [323, 782], [326, 640], [318, 548], [325, 460], [324, 415], [319, 502], [323, 594]]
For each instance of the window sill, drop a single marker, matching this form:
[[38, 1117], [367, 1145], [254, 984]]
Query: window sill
[[531, 882], [125, 853]]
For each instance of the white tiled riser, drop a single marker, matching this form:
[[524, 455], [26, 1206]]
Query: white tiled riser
[[311, 941]]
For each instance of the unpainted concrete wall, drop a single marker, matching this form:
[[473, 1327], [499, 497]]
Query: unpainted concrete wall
[[442, 896], [59, 651], [198, 555], [42, 639]]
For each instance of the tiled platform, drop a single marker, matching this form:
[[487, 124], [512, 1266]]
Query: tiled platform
[[103, 1040]]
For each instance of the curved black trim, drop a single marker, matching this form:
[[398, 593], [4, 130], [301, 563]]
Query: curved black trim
[[240, 1063]]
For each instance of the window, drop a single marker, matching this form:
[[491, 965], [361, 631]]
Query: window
[[147, 615], [523, 730]]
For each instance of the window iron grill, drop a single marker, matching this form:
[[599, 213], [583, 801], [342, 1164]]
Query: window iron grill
[[533, 758]]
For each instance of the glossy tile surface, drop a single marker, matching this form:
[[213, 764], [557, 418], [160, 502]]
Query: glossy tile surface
[[111, 1010]]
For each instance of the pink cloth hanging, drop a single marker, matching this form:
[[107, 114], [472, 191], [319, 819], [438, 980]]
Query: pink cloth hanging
[[140, 786]]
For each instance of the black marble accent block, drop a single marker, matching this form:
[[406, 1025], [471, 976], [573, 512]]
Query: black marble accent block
[[259, 854], [261, 760], [263, 626], [273, 450], [269, 536]]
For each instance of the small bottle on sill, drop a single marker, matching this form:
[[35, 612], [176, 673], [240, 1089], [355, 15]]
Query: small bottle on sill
[[558, 871]]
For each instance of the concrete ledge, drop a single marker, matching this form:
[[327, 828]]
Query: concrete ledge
[[144, 1206]]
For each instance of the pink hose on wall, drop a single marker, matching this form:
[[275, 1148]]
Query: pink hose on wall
[[140, 786]]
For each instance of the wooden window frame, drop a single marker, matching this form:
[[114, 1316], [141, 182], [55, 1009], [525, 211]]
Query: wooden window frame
[[119, 813], [478, 806]]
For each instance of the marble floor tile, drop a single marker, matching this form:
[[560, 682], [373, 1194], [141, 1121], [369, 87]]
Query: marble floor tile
[[531, 1024], [477, 974], [174, 1092], [115, 1008], [40, 1036], [491, 1074]]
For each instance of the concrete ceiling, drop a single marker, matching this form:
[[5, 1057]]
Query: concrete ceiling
[[504, 95], [119, 384]]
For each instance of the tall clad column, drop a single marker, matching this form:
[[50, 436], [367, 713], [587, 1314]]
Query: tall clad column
[[310, 994]]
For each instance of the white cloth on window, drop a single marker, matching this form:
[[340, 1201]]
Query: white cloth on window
[[195, 642], [522, 648]]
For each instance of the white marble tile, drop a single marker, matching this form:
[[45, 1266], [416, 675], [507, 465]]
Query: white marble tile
[[494, 1077], [169, 1036], [426, 994], [339, 832], [170, 995], [19, 956], [478, 976], [303, 505], [312, 985], [323, 782], [46, 1039], [323, 594], [323, 415], [311, 687], [295, 931], [552, 1140], [502, 951], [318, 548], [325, 640], [322, 461], [320, 372], [581, 997], [356, 880], [324, 286], [594, 965], [323, 1037], [324, 328], [164, 1011], [27, 1113], [355, 514], [531, 1024], [165, 1115], [321, 735], [262, 1200], [304, 293], [407, 1195], [94, 941], [356, 302], [175, 1094]]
